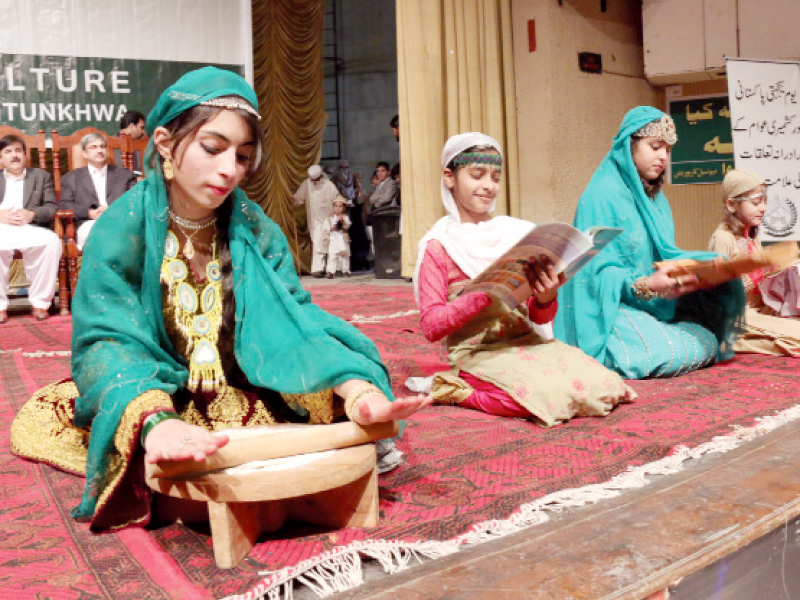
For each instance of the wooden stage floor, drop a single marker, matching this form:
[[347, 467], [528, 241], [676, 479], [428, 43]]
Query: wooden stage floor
[[629, 547]]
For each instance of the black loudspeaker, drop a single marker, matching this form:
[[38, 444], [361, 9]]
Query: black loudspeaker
[[386, 240]]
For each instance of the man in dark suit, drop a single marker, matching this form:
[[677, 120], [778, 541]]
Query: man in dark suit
[[88, 191], [27, 205]]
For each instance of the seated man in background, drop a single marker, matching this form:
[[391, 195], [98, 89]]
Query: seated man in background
[[27, 205], [386, 193], [88, 191]]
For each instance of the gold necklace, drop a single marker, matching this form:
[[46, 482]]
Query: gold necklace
[[197, 314], [195, 226]]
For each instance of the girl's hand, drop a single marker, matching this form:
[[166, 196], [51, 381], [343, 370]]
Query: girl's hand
[[543, 279], [667, 282], [376, 408], [174, 439]]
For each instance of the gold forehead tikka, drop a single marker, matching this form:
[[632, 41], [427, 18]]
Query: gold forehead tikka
[[232, 103], [663, 129]]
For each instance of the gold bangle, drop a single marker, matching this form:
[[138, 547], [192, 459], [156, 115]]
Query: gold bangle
[[356, 394], [643, 292]]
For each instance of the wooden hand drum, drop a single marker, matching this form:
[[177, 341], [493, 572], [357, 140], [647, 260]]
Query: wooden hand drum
[[333, 487]]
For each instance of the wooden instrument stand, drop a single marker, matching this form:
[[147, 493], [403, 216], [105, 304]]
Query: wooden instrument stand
[[333, 488]]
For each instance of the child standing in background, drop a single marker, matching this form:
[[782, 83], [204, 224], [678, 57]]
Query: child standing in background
[[339, 247]]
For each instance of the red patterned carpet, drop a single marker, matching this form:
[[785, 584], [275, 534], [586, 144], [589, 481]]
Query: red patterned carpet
[[462, 467]]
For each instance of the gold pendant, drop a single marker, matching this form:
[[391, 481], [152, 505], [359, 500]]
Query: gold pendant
[[188, 249]]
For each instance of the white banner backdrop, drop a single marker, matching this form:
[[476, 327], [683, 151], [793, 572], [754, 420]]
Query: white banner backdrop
[[765, 119], [68, 64], [201, 31]]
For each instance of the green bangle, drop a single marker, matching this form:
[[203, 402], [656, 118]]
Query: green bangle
[[153, 420]]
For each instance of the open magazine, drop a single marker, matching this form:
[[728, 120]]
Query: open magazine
[[567, 247]]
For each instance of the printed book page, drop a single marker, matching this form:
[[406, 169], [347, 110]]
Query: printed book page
[[568, 248]]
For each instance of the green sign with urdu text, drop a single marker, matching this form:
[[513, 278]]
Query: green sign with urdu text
[[704, 152]]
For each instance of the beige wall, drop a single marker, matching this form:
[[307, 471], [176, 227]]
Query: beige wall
[[567, 118]]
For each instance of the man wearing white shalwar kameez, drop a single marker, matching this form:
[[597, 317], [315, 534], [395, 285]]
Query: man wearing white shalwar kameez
[[317, 193], [27, 205]]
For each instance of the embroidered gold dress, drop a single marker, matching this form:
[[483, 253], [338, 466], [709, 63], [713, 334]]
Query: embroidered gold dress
[[44, 431]]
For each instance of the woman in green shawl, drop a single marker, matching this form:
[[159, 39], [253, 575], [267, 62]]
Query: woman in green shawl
[[189, 318], [635, 319]]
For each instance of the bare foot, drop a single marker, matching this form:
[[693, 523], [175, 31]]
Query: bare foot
[[376, 408], [174, 439]]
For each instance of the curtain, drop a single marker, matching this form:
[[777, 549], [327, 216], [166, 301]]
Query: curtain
[[455, 74], [287, 60]]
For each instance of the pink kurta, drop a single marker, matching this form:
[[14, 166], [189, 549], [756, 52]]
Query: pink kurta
[[440, 318]]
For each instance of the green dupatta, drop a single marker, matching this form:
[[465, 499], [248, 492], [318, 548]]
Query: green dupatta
[[589, 303], [120, 347]]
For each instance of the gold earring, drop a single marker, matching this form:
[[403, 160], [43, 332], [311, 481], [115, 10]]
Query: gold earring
[[169, 172]]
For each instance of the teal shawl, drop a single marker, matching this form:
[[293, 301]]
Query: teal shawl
[[589, 303], [120, 347]]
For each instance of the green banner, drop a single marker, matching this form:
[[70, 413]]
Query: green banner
[[69, 93], [704, 152]]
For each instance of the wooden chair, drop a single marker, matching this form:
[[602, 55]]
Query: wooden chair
[[64, 226], [65, 219], [39, 143], [129, 147]]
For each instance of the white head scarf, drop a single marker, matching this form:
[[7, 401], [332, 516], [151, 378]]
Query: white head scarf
[[473, 247]]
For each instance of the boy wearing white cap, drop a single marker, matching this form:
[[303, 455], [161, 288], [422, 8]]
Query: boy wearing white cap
[[336, 227]]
